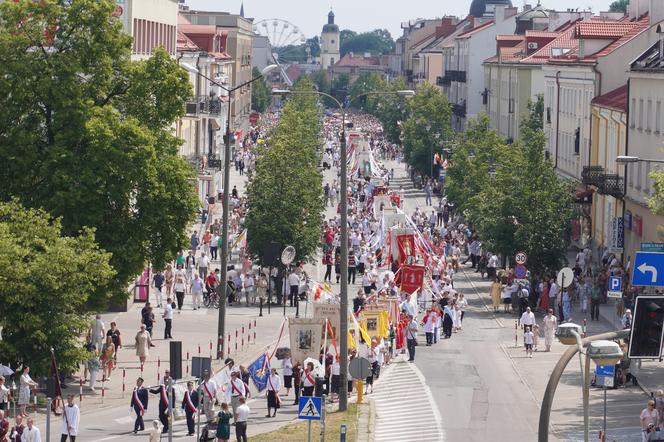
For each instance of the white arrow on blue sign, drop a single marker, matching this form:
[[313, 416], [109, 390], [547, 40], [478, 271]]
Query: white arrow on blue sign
[[648, 269]]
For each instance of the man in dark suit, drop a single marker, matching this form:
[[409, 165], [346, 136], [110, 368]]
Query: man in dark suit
[[165, 394], [139, 403], [190, 406]]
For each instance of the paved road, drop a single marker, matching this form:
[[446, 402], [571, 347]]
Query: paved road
[[486, 389]]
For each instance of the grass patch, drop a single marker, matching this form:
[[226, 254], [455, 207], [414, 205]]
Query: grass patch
[[297, 431]]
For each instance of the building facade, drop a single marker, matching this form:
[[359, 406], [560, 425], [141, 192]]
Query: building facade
[[151, 23]]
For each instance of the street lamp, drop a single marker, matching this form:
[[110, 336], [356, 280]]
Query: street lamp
[[628, 159], [343, 289], [221, 289], [603, 352]]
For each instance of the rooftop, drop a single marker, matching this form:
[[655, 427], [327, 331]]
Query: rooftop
[[615, 99], [652, 60], [352, 60]]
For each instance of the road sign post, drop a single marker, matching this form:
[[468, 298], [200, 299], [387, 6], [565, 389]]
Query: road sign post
[[648, 269], [615, 287], [604, 376], [310, 408]]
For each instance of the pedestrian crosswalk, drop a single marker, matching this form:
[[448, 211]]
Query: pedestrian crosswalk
[[405, 409]]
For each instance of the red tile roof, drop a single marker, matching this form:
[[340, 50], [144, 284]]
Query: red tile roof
[[639, 26], [509, 37], [602, 29], [184, 43], [564, 41], [615, 99], [542, 34], [360, 60]]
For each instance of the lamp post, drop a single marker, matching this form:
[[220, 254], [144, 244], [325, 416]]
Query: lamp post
[[221, 289], [568, 334], [628, 159], [343, 289]]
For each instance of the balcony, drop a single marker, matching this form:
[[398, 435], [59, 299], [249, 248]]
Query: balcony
[[459, 110], [458, 76], [612, 184], [443, 81], [592, 175]]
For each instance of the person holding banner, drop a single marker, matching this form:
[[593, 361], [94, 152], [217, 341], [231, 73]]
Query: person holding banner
[[209, 393], [308, 380], [190, 407], [164, 392], [236, 389], [70, 419], [139, 403], [273, 387]]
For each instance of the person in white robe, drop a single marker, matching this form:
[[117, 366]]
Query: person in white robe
[[31, 433], [70, 419]]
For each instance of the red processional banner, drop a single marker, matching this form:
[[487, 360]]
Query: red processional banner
[[406, 245], [412, 278]]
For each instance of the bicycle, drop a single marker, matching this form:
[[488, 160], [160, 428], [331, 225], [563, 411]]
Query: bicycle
[[211, 299]]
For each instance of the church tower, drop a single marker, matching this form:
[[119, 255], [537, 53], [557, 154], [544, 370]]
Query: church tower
[[329, 43]]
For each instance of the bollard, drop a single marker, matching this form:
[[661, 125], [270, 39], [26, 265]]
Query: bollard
[[342, 433], [210, 350], [585, 323], [242, 338], [141, 369], [199, 350], [360, 390], [228, 346], [103, 388], [80, 389], [158, 366], [260, 311], [187, 363], [124, 376], [516, 334], [254, 331]]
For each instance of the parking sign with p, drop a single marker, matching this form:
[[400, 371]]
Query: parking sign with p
[[615, 287]]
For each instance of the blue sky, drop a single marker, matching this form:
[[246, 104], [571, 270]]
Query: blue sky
[[364, 15]]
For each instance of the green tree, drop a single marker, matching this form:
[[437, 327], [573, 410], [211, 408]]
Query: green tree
[[260, 93], [86, 133], [284, 195], [472, 160], [511, 216], [47, 287], [391, 110], [534, 119], [378, 41], [360, 91], [427, 126], [619, 6], [340, 87]]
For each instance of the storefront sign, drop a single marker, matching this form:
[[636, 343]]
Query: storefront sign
[[652, 247]]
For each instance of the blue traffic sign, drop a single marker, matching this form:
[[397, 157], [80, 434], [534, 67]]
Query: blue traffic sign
[[309, 408], [615, 283], [605, 370], [520, 271], [648, 269]]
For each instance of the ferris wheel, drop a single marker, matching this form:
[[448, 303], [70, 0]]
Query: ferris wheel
[[283, 35]]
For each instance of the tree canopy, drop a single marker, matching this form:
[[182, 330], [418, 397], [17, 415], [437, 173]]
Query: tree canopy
[[260, 93], [86, 133], [619, 6], [285, 194], [511, 194], [48, 287], [378, 41]]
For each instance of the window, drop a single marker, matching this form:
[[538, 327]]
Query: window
[[658, 117], [548, 115], [646, 186], [649, 116], [331, 41], [632, 113], [639, 172], [640, 126]]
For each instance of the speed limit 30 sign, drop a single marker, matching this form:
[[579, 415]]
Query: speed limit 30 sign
[[521, 258]]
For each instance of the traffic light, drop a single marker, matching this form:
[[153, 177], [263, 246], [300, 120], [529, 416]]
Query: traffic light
[[645, 340]]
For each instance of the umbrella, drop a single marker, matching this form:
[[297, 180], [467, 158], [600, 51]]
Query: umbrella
[[5, 371]]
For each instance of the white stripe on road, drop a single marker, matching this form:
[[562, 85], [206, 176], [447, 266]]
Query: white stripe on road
[[403, 383]]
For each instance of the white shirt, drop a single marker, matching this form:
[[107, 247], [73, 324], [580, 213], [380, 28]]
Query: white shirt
[[528, 318], [335, 369], [493, 262], [287, 367], [168, 311], [293, 279], [70, 417], [553, 291], [210, 386], [408, 307], [528, 337], [242, 413], [274, 383], [204, 261], [31, 435], [4, 392], [235, 385]]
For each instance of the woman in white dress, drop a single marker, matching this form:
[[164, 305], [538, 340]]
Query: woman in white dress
[[550, 326], [26, 384]]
